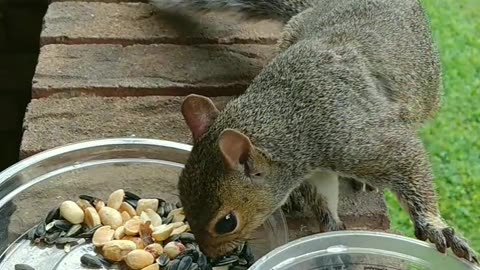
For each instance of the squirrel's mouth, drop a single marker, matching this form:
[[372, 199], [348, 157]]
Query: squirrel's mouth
[[218, 249]]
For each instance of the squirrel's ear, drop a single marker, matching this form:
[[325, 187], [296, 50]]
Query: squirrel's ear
[[199, 113], [235, 147]]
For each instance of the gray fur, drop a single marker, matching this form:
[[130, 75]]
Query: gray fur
[[281, 10], [352, 85]]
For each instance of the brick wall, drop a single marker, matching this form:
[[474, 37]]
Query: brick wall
[[111, 68], [125, 62]]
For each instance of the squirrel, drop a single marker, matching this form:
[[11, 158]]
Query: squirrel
[[345, 96]]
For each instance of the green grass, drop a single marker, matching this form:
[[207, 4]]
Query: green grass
[[453, 138]]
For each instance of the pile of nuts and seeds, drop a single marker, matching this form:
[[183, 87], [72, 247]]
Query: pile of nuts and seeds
[[142, 234]]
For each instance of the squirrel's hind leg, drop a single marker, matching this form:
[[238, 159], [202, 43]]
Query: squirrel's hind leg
[[307, 196], [323, 200]]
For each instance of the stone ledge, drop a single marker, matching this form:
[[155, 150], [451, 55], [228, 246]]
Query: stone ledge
[[54, 122], [140, 23], [139, 70]]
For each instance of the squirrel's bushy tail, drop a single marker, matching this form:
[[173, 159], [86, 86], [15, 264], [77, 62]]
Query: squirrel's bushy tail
[[253, 9]]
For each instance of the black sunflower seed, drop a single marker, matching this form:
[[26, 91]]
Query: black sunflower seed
[[74, 230], [174, 237], [40, 231], [192, 252], [161, 210], [91, 261], [161, 202], [202, 261], [53, 214], [187, 237], [173, 265], [163, 260], [168, 220], [194, 266], [168, 208], [247, 254], [133, 203], [22, 266], [243, 262], [50, 238], [185, 263], [62, 225], [178, 204], [31, 233], [92, 200], [89, 233], [69, 240], [226, 260], [132, 196]]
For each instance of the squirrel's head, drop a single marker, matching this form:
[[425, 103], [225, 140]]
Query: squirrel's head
[[223, 187]]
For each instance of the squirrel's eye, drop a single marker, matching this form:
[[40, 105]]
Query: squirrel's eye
[[227, 224]]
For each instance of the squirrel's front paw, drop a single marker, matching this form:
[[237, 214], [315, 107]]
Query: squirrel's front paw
[[444, 238]]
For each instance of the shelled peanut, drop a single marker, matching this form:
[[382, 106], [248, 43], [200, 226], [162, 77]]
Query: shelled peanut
[[142, 233]]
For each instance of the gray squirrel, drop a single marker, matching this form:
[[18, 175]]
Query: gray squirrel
[[353, 82]]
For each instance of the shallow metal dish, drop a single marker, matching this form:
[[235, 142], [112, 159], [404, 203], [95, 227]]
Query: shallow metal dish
[[30, 188]]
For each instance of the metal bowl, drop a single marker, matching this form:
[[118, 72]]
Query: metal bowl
[[32, 187]]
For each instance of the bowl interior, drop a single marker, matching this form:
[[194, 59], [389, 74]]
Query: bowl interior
[[149, 168]]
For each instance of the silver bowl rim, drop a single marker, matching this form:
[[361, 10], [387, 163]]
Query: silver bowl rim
[[295, 245], [57, 152], [82, 145]]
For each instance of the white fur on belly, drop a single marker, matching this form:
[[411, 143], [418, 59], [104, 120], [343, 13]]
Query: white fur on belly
[[327, 186]]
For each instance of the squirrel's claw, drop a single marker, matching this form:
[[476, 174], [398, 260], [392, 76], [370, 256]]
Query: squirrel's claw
[[446, 238], [459, 246]]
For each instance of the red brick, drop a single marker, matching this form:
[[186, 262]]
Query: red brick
[[52, 122], [135, 23], [115, 70]]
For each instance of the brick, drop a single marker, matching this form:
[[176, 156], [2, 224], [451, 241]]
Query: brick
[[140, 23], [138, 70], [54, 122]]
